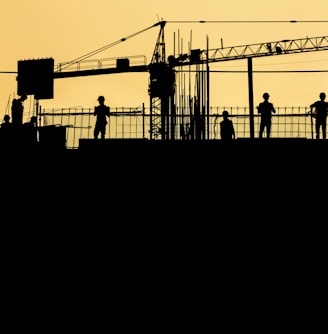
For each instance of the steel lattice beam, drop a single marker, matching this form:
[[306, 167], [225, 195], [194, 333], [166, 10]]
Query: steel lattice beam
[[289, 46]]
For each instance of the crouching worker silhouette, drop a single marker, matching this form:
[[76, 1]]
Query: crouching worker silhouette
[[227, 130], [6, 132], [101, 112], [30, 132]]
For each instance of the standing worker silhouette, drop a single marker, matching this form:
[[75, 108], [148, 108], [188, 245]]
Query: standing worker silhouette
[[227, 130], [265, 109], [17, 110], [101, 112], [320, 112]]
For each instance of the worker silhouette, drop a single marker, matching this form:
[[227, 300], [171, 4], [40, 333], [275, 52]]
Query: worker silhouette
[[6, 124], [227, 130], [101, 112], [30, 133], [6, 133], [17, 110], [265, 109], [319, 111]]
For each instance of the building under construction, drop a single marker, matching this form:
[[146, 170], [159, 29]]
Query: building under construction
[[142, 198], [175, 110]]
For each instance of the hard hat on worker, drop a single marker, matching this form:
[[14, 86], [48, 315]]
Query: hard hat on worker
[[101, 98]]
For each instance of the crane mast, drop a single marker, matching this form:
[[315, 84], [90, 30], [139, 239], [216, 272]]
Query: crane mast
[[161, 91]]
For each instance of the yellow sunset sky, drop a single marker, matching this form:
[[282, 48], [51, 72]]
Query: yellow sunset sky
[[68, 29]]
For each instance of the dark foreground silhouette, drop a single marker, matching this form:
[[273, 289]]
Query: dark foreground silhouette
[[150, 232], [130, 205]]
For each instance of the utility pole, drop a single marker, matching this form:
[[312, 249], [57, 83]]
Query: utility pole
[[250, 97]]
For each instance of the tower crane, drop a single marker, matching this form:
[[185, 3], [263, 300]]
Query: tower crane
[[199, 57], [162, 72]]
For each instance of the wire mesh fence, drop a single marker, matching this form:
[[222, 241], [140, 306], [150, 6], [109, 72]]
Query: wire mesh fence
[[137, 123]]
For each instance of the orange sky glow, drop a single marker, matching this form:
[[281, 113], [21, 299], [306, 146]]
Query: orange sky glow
[[66, 30]]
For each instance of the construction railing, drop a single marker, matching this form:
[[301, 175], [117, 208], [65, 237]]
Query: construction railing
[[135, 123]]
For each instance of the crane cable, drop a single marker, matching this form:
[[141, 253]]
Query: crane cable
[[251, 21], [92, 53]]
